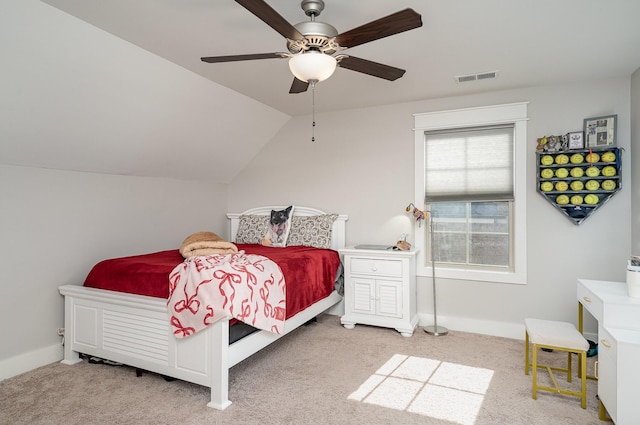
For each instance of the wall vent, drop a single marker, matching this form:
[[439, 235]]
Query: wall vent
[[476, 77]]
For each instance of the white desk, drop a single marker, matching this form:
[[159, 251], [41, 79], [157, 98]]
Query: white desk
[[617, 368]]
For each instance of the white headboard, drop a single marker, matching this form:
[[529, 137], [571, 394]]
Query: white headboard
[[338, 239]]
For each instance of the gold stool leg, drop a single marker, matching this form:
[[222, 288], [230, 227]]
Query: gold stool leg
[[583, 377], [534, 366], [526, 353]]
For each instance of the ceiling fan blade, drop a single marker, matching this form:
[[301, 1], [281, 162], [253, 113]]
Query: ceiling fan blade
[[272, 18], [398, 22], [235, 58], [371, 68], [298, 86]]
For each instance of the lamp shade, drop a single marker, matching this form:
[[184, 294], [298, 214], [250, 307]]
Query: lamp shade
[[312, 66]]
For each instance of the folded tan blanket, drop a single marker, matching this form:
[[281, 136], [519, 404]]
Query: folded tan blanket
[[206, 243]]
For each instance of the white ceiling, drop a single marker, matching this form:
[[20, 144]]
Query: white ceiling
[[529, 42]]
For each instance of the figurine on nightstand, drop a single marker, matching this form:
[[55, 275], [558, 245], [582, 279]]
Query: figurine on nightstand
[[402, 245]]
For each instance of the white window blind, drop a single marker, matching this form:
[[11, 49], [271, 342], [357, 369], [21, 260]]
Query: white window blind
[[470, 164]]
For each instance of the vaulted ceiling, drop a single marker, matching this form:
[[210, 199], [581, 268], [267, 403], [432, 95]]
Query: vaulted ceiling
[[528, 43]]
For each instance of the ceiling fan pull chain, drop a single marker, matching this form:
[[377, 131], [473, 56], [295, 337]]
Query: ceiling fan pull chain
[[313, 111]]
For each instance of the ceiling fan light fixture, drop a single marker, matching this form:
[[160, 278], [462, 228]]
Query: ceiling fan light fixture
[[312, 66]]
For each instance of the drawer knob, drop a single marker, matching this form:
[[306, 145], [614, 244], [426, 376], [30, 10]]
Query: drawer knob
[[586, 299], [374, 268], [605, 343]]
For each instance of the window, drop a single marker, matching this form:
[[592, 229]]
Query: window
[[470, 175], [471, 234]]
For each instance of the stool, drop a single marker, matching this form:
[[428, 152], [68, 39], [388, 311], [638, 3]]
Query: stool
[[560, 336]]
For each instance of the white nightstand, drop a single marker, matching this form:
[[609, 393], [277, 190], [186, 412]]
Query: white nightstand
[[380, 289]]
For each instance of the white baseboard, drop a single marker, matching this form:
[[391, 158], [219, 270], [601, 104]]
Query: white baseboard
[[484, 327], [28, 361]]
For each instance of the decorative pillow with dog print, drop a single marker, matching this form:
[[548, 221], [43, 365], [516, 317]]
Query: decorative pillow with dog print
[[314, 231], [279, 228]]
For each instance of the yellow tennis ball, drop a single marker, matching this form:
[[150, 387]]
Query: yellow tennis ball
[[592, 157], [562, 159], [608, 185], [577, 158], [577, 172], [576, 200], [562, 173], [546, 187], [609, 171], [591, 199], [576, 185], [561, 186], [546, 160], [592, 172], [546, 173], [562, 200], [592, 185], [608, 157]]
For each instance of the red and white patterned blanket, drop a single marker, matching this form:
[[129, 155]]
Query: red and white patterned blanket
[[205, 289]]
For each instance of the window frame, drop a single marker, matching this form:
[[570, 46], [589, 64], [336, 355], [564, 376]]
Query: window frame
[[513, 113]]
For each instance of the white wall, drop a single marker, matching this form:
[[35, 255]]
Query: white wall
[[362, 164], [56, 224], [635, 159]]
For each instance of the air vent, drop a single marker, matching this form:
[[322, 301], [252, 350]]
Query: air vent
[[476, 77]]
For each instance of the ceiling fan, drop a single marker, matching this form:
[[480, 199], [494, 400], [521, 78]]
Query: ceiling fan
[[315, 48]]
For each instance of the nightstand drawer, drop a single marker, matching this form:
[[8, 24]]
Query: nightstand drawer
[[368, 266]]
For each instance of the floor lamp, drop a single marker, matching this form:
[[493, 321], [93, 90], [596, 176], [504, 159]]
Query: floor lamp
[[434, 329]]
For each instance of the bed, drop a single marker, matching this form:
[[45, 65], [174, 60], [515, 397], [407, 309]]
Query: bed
[[134, 329]]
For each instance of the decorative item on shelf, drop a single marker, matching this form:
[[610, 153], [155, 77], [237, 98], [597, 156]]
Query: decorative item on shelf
[[600, 132], [576, 140], [417, 213], [552, 143]]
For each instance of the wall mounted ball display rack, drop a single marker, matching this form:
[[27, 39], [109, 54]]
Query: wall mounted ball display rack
[[579, 181]]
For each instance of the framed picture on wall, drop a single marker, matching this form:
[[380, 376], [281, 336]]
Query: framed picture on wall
[[575, 140], [600, 131]]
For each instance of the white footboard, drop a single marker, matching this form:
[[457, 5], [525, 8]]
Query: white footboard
[[134, 330]]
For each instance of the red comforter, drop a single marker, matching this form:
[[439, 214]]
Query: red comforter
[[309, 273]]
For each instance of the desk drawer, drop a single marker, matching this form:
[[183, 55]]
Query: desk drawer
[[590, 301], [369, 266]]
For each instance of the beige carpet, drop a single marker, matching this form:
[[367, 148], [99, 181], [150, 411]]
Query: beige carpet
[[319, 374]]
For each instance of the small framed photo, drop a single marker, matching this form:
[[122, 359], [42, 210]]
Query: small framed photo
[[575, 140], [600, 131]]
